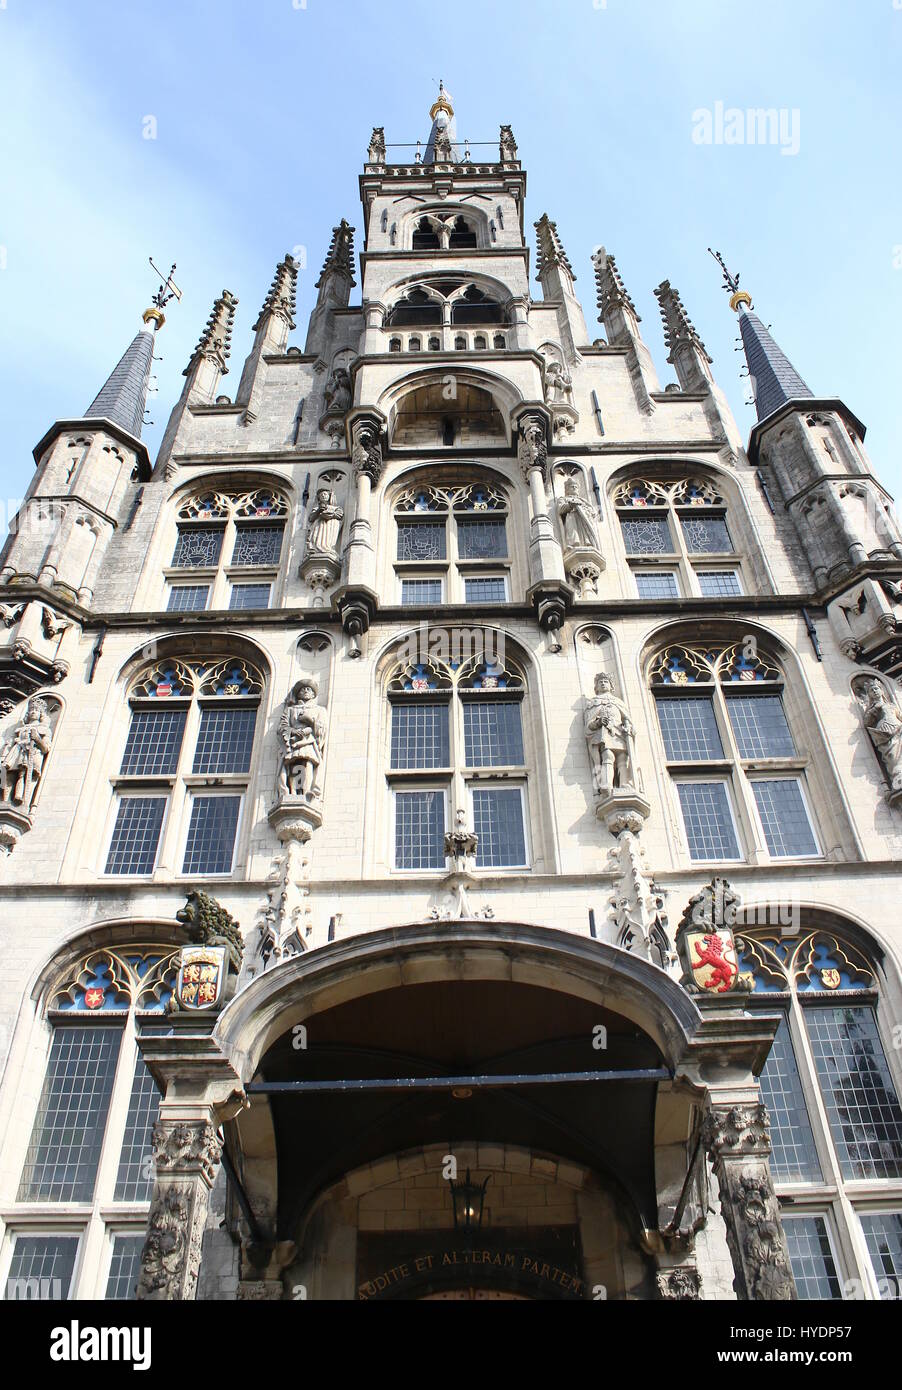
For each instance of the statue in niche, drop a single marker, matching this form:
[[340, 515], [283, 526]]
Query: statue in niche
[[558, 385], [302, 733], [883, 721], [23, 754], [338, 392], [609, 734], [577, 519], [325, 524]]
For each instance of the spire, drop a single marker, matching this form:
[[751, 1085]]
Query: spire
[[216, 340], [281, 300], [123, 396], [688, 353], [774, 379], [441, 147], [551, 250], [340, 258], [614, 302]]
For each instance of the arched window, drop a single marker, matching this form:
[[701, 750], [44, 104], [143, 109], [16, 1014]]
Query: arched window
[[183, 778], [476, 307], [677, 539], [480, 343], [394, 345], [836, 1121], [435, 344], [463, 236], [228, 550], [417, 309], [457, 747], [90, 1145], [414, 344], [460, 343], [425, 236], [735, 765], [499, 341], [452, 543]]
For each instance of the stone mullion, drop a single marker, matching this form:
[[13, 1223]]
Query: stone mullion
[[737, 1138], [187, 1154]]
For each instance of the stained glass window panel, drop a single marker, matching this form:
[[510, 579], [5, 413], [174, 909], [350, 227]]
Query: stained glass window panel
[[706, 535], [421, 540], [198, 549], [257, 545], [646, 535], [481, 540]]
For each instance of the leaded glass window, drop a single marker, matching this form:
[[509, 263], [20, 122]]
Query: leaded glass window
[[689, 728], [458, 524], [421, 541], [493, 733], [125, 1268], [42, 1268], [883, 1237], [485, 590], [257, 545], [246, 596], [419, 829], [760, 726], [646, 535], [136, 835], [784, 818], [225, 740], [420, 736], [653, 584], [481, 540], [198, 549], [211, 835], [188, 598], [719, 583], [684, 517], [707, 817], [67, 1137], [811, 1257], [498, 823], [154, 743], [134, 1180], [706, 535], [793, 1152], [415, 592], [862, 1105]]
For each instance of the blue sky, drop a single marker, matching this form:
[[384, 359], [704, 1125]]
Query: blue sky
[[264, 111]]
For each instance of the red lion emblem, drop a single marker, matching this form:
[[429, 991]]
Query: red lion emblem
[[722, 972]]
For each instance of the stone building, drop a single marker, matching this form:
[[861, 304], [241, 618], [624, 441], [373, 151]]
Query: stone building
[[451, 800]]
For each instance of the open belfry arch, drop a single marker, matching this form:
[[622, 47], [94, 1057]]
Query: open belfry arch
[[455, 791]]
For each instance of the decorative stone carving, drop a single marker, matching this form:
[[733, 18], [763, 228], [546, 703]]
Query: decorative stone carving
[[578, 520], [302, 733], [366, 455], [507, 146], [324, 527], [532, 449], [209, 924], [186, 1155], [636, 903], [337, 394], [883, 721], [682, 1283], [285, 919], [737, 1138], [377, 151], [558, 385], [461, 845], [706, 944]]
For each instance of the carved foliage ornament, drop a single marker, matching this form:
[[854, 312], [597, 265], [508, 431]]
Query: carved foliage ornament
[[738, 1131], [187, 1147]]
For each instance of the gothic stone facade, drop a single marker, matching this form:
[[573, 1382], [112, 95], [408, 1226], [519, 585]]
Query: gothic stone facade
[[453, 701]]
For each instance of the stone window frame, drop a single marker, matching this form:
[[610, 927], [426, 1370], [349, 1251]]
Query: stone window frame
[[221, 577], [180, 787], [664, 482], [732, 769], [452, 569], [477, 222], [453, 688], [94, 1224], [839, 1199]]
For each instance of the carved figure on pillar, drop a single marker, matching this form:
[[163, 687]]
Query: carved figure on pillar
[[186, 1158], [577, 519], [883, 721], [302, 733], [558, 385], [337, 394], [324, 527], [533, 447], [610, 737], [366, 455], [737, 1138]]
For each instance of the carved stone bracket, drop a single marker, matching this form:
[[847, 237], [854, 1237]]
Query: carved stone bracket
[[637, 908], [737, 1138], [681, 1283]]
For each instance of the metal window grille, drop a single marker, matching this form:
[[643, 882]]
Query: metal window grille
[[66, 1140]]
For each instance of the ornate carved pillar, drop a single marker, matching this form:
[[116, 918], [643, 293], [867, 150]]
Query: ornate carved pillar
[[357, 599], [737, 1138], [549, 591], [187, 1154]]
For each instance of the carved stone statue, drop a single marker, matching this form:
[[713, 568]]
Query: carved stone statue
[[533, 446], [577, 519], [324, 528], [302, 732], [366, 456], [23, 754], [609, 735], [558, 385], [883, 721], [338, 393]]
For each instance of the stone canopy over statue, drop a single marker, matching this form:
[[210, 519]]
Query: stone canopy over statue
[[302, 734]]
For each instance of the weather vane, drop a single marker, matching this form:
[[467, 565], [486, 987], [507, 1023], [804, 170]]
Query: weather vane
[[731, 282], [168, 290]]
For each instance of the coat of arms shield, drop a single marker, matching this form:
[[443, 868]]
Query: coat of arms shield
[[200, 979], [712, 960]]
